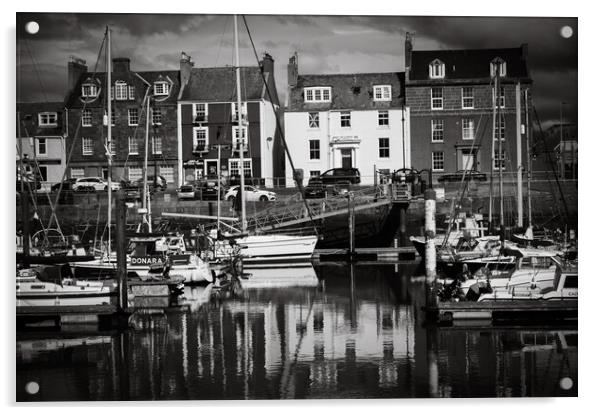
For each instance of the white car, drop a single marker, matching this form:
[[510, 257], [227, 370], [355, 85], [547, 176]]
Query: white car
[[94, 184], [252, 194], [185, 191]]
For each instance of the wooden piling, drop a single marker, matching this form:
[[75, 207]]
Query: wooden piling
[[120, 248], [430, 253]]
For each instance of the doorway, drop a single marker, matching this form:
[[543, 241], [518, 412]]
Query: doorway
[[467, 160], [211, 168], [346, 161]]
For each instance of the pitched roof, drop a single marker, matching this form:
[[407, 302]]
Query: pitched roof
[[469, 63], [28, 115], [349, 91], [219, 84]]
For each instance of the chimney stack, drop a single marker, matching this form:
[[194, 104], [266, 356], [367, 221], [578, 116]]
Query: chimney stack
[[121, 65], [267, 64], [186, 65], [408, 51], [293, 70], [76, 67]]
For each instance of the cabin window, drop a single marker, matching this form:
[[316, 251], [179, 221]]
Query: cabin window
[[570, 281]]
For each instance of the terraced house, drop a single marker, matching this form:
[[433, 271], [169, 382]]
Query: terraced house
[[346, 120], [87, 121], [208, 116], [451, 96]]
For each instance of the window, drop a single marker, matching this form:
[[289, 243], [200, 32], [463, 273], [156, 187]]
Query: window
[[317, 94], [156, 116], [496, 160], [134, 173], [77, 173], [436, 98], [112, 89], [383, 118], [132, 93], [113, 117], [234, 167], [132, 145], [87, 146], [112, 150], [467, 97], [382, 93], [200, 112], [89, 90], [235, 111], [133, 116], [43, 173], [239, 136], [492, 66], [467, 129], [500, 129], [314, 173], [437, 130], [200, 135], [383, 148], [41, 143], [168, 173], [121, 91], [314, 120], [161, 88], [86, 118], [157, 145], [501, 100], [47, 119], [314, 149], [345, 119], [437, 161], [436, 69]]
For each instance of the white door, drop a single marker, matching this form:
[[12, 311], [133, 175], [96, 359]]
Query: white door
[[467, 160]]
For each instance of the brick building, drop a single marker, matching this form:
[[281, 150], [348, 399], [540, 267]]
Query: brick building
[[41, 139], [346, 120], [86, 121], [208, 117], [450, 93]]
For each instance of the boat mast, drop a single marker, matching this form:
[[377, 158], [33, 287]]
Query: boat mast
[[109, 154], [499, 142], [493, 129], [145, 196], [528, 140], [241, 170]]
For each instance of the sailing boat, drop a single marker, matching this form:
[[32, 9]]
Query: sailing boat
[[258, 248], [144, 250]]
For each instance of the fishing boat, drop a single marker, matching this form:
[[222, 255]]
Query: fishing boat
[[55, 285]]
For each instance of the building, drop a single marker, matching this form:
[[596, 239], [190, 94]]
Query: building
[[41, 140], [346, 120], [451, 96], [208, 121], [87, 121], [558, 145]]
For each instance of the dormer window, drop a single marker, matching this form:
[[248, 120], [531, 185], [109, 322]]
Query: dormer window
[[436, 69], [382, 93], [47, 119], [89, 90], [161, 88], [121, 91], [317, 94], [502, 65]]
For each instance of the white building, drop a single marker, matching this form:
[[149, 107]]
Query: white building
[[346, 120]]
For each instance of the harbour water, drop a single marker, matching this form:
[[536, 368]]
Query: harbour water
[[331, 331]]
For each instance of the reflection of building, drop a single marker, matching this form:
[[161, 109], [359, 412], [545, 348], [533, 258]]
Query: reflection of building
[[450, 93], [346, 120], [566, 152], [208, 117], [42, 140]]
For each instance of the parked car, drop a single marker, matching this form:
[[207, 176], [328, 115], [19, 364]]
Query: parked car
[[186, 191], [93, 184], [315, 190], [252, 194], [208, 190], [159, 184], [132, 191], [338, 175], [468, 175], [67, 185]]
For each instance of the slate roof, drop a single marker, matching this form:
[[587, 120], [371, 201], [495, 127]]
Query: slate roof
[[219, 84], [28, 115], [468, 63], [349, 91]]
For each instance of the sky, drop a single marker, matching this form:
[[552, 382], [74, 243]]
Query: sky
[[324, 43]]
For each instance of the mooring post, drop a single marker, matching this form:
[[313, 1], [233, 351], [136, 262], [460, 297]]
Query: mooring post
[[430, 259], [120, 250], [403, 219]]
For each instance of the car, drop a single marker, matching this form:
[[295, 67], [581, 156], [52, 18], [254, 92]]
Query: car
[[67, 185], [93, 184], [467, 174], [208, 190], [252, 194], [338, 175], [186, 191], [315, 190]]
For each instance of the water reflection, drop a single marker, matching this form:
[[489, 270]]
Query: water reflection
[[341, 332]]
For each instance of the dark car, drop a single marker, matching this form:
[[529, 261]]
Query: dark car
[[67, 185], [209, 190], [159, 184], [132, 191], [315, 190], [467, 174], [338, 175]]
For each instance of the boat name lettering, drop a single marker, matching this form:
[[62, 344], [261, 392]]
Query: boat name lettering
[[145, 260]]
